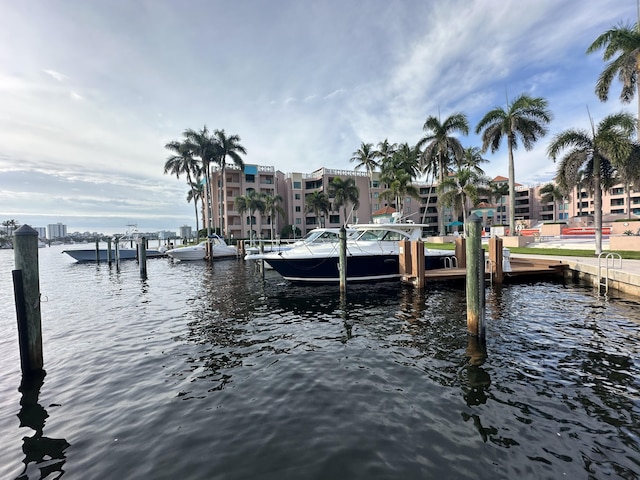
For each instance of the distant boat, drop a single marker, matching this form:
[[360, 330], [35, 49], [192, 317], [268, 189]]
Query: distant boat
[[125, 250], [219, 249]]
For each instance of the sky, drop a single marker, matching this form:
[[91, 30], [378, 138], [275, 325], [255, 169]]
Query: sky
[[91, 90]]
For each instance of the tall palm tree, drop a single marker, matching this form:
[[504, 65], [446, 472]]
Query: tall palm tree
[[203, 147], [399, 188], [441, 146], [366, 156], [472, 158], [251, 202], [623, 43], [385, 151], [228, 147], [552, 193], [196, 193], [180, 162], [272, 209], [596, 151], [525, 119], [318, 202], [498, 192], [628, 173], [464, 188], [344, 192]]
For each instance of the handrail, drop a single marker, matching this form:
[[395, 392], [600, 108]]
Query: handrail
[[610, 262]]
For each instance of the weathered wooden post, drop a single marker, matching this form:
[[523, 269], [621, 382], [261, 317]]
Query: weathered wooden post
[[417, 263], [109, 251], [342, 266], [495, 256], [475, 277], [26, 279], [461, 252], [97, 251], [143, 257], [117, 241]]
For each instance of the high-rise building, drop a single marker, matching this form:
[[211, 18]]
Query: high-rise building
[[56, 230]]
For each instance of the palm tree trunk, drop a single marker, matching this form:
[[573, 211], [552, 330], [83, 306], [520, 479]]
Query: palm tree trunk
[[441, 231], [512, 189], [628, 189], [597, 202]]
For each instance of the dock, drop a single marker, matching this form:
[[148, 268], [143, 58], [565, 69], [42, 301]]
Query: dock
[[520, 267]]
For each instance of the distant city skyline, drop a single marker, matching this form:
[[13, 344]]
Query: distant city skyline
[[92, 91]]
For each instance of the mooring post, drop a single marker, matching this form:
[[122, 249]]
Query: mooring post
[[417, 263], [495, 256], [143, 257], [27, 296], [475, 277], [109, 251], [117, 242], [461, 253], [97, 251], [342, 266]]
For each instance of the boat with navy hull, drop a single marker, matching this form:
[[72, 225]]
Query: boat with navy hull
[[372, 255]]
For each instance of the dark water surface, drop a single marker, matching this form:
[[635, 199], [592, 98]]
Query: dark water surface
[[205, 372]]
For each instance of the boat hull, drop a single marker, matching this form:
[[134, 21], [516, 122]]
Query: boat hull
[[89, 254], [364, 268]]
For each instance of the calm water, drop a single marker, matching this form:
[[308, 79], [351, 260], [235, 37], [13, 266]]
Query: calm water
[[205, 372]]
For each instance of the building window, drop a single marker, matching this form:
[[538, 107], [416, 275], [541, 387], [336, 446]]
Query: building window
[[298, 209], [617, 191], [297, 196], [334, 218], [297, 185], [298, 221], [250, 178], [375, 184]]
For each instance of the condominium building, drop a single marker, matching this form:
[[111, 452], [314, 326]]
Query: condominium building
[[295, 187], [56, 230]]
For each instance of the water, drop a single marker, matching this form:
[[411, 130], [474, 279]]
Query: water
[[205, 372]]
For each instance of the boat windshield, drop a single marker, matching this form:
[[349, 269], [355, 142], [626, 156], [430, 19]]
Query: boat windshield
[[379, 235]]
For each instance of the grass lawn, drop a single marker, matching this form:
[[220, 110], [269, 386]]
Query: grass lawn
[[566, 252]]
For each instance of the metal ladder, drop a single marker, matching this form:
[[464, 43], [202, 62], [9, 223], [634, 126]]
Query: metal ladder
[[450, 262], [612, 260]]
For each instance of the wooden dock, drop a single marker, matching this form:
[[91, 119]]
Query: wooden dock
[[520, 267]]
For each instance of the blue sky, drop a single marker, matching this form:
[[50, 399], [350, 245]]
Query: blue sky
[[91, 91]]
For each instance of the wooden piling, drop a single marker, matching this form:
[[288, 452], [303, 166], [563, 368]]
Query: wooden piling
[[27, 296], [97, 251], [495, 258], [475, 277], [404, 259], [143, 257], [117, 251], [109, 251], [461, 253], [417, 263], [342, 267]]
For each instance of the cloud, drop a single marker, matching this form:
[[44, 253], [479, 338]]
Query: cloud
[[60, 77]]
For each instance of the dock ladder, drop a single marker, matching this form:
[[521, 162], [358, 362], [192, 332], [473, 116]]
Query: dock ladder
[[611, 260]]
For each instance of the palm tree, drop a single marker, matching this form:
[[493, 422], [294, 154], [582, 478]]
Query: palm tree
[[526, 118], [366, 157], [385, 151], [10, 226], [272, 208], [622, 42], [251, 202], [552, 193], [472, 158], [442, 147], [465, 187], [196, 193], [498, 191], [202, 146], [227, 147], [318, 202], [399, 187], [628, 173], [597, 151], [344, 192], [181, 161]]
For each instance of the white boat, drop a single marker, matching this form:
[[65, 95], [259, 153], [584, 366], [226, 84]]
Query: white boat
[[372, 255], [315, 236], [219, 249], [127, 249]]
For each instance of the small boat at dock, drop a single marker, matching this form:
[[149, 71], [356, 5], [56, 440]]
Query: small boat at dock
[[218, 249], [125, 246]]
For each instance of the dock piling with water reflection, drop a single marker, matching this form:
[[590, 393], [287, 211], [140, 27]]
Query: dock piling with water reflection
[[27, 297]]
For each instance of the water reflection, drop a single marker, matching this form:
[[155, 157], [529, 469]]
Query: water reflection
[[44, 453]]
